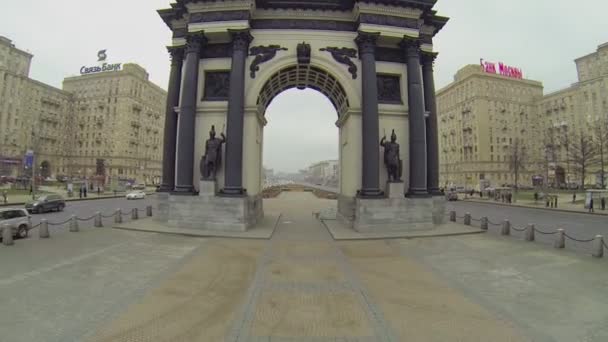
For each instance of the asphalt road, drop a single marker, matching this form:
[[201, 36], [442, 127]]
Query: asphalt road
[[86, 209], [577, 225]]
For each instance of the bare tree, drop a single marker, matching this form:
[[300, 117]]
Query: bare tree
[[583, 155], [600, 132], [518, 159], [549, 156]]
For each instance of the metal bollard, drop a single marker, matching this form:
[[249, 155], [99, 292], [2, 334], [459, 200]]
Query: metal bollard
[[43, 231], [560, 241], [134, 214], [453, 216], [74, 224], [598, 246], [467, 219], [98, 221], [484, 223], [530, 232], [506, 228], [149, 211], [118, 216], [7, 235]]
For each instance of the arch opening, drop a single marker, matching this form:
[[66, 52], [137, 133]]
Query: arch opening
[[302, 77]]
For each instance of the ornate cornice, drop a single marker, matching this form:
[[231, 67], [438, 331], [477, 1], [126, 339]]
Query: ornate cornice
[[282, 13], [388, 20], [297, 24], [205, 17], [380, 9], [224, 5]]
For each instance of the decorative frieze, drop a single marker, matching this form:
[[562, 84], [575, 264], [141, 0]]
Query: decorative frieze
[[206, 17], [343, 56], [302, 24], [217, 85], [389, 20], [216, 51], [262, 55], [389, 89]]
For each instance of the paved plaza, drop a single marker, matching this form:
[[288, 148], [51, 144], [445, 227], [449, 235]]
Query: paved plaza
[[299, 285]]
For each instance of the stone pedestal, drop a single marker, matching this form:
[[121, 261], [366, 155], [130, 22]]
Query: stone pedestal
[[207, 188], [208, 212], [392, 214], [395, 189]]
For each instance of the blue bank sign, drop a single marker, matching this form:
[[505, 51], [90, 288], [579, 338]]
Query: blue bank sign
[[105, 67]]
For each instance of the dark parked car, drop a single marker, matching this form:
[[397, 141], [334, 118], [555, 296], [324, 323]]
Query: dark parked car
[[46, 203]]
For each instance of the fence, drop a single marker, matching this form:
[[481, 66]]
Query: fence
[[73, 223], [530, 231]]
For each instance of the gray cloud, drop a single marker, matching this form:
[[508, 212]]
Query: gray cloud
[[542, 37]]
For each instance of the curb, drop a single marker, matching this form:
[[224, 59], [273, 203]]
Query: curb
[[76, 199], [536, 208]]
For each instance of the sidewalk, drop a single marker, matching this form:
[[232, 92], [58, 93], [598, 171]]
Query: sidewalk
[[21, 199], [564, 203]]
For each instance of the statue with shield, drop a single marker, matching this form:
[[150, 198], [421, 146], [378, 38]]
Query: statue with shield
[[211, 161], [392, 161]]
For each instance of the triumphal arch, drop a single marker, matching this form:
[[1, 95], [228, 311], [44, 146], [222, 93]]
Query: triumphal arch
[[230, 58]]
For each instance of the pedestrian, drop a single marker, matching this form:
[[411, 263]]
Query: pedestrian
[[80, 193], [547, 201], [603, 202], [98, 191], [555, 201], [536, 196], [5, 195], [591, 206], [573, 198], [84, 192]]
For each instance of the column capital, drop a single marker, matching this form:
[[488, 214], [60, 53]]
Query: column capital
[[240, 39], [195, 41], [411, 46], [428, 59], [367, 42], [177, 54]]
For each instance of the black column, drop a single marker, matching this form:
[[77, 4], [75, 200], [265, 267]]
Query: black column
[[236, 108], [418, 164], [170, 136], [369, 117], [187, 115], [432, 133]]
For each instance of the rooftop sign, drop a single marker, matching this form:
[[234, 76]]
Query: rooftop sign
[[102, 56], [501, 69]]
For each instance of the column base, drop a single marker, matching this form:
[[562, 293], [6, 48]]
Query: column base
[[184, 190], [418, 193], [435, 192], [165, 188], [233, 192], [370, 193]]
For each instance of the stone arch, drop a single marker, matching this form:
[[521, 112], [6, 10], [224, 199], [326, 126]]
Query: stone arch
[[302, 77]]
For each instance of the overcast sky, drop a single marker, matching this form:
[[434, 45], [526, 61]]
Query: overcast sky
[[542, 37]]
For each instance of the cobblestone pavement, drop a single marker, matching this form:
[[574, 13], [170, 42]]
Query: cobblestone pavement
[[303, 286]]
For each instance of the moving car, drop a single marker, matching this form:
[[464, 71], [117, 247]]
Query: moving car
[[44, 203], [451, 196], [18, 220], [137, 194]]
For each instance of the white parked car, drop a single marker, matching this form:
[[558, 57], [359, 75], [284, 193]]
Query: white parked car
[[19, 220], [138, 194]]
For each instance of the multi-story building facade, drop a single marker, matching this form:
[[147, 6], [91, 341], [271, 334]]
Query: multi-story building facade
[[483, 118], [326, 172], [106, 123], [32, 115], [483, 114], [118, 124]]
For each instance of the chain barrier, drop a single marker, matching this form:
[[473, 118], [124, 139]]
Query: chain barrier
[[36, 226], [544, 233], [60, 223], [475, 220], [604, 243], [108, 216], [87, 219], [577, 240], [494, 224], [518, 230], [460, 217]]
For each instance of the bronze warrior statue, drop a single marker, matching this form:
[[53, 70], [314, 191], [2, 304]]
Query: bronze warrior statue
[[391, 158], [212, 159]]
